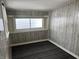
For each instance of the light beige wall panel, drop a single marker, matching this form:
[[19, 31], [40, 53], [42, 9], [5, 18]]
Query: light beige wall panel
[[22, 37], [64, 27], [4, 47]]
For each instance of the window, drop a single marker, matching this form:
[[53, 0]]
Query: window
[[36, 23], [1, 25], [26, 23], [22, 23]]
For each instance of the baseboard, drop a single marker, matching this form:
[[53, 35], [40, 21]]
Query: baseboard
[[76, 56], [28, 42]]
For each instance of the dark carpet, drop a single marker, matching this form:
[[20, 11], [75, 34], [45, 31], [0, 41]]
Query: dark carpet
[[41, 50]]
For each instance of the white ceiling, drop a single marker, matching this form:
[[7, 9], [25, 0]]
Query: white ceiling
[[35, 4]]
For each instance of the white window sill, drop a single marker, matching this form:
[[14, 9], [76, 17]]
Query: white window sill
[[28, 30]]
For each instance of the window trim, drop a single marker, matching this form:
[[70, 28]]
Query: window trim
[[28, 29], [19, 29]]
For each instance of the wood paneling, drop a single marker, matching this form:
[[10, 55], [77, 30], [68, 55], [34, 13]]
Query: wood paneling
[[64, 27], [24, 35], [4, 47], [26, 13], [28, 36]]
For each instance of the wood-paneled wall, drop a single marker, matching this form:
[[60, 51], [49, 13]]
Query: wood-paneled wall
[[26, 35], [64, 27], [1, 35], [27, 13], [23, 37], [4, 34]]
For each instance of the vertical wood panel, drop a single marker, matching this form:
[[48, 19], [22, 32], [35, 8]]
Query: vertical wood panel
[[4, 47], [64, 27], [28, 36]]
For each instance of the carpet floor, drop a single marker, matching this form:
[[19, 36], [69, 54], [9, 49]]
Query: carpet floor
[[41, 50]]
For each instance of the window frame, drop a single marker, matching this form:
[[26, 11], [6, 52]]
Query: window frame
[[43, 18], [15, 24]]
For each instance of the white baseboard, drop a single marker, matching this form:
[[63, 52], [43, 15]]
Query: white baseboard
[[28, 42], [76, 56]]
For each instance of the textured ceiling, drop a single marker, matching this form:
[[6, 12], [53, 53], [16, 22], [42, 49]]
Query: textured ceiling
[[35, 4]]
